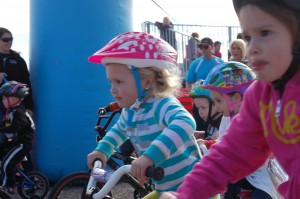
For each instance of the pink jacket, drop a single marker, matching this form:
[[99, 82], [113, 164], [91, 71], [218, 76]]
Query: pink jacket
[[249, 141]]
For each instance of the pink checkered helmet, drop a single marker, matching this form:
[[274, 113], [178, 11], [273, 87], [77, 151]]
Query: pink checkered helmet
[[137, 49]]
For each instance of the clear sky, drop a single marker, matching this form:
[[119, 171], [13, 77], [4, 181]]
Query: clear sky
[[14, 15]]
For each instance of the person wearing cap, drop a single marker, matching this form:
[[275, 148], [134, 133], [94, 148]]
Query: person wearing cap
[[200, 67]]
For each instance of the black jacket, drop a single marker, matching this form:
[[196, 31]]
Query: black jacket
[[16, 69], [19, 123]]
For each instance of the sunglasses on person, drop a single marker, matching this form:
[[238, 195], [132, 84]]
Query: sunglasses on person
[[6, 39], [204, 46]]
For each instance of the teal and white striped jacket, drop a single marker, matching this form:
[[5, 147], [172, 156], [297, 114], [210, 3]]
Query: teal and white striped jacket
[[162, 130]]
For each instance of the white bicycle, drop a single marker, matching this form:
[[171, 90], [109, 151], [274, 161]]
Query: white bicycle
[[111, 178]]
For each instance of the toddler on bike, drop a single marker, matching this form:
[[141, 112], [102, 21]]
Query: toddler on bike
[[143, 73], [17, 131], [207, 111], [268, 120]]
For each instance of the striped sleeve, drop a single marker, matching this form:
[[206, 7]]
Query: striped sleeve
[[114, 137], [180, 127]]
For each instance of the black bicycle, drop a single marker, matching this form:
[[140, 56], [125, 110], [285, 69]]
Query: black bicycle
[[76, 183], [32, 184]]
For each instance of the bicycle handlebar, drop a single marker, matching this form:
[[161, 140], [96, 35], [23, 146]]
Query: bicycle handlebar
[[98, 174]]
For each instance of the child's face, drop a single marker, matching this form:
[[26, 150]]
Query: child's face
[[122, 82], [202, 105], [220, 103], [10, 101], [269, 43]]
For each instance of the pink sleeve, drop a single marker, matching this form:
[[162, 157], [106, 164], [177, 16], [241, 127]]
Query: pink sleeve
[[243, 149]]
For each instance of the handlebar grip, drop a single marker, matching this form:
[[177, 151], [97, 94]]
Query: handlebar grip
[[157, 173], [97, 163]]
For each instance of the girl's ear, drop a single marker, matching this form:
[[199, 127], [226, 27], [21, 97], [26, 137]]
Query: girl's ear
[[148, 82]]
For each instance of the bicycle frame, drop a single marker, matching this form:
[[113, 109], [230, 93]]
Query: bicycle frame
[[31, 185]]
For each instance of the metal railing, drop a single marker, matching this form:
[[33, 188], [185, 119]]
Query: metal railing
[[181, 34]]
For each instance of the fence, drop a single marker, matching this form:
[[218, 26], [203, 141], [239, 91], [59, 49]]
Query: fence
[[182, 33]]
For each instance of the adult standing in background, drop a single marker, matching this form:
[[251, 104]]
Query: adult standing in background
[[193, 49], [237, 49], [199, 69], [13, 67], [166, 31]]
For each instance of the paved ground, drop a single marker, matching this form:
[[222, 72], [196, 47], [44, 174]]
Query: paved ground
[[121, 191]]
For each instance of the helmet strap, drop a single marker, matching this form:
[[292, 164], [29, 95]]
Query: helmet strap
[[231, 105], [209, 117], [13, 104], [141, 93]]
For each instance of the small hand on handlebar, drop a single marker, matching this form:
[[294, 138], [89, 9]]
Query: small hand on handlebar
[[94, 156], [138, 168]]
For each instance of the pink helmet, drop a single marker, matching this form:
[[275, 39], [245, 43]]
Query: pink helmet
[[137, 49]]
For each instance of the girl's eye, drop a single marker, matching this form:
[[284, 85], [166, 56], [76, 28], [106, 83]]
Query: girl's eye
[[265, 32]]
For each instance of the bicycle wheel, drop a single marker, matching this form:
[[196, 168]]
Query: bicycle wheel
[[4, 195], [38, 189], [72, 186]]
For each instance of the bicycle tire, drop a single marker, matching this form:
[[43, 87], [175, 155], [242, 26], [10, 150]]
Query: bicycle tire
[[40, 188], [4, 195], [72, 186]]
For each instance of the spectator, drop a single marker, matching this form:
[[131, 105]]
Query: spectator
[[238, 36], [237, 49], [193, 49], [217, 48], [200, 67], [13, 67], [166, 31]]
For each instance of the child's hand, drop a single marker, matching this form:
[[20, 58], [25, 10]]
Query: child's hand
[[139, 166], [96, 155], [167, 195]]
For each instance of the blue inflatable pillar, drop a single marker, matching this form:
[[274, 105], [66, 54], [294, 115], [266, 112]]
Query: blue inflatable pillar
[[67, 89]]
